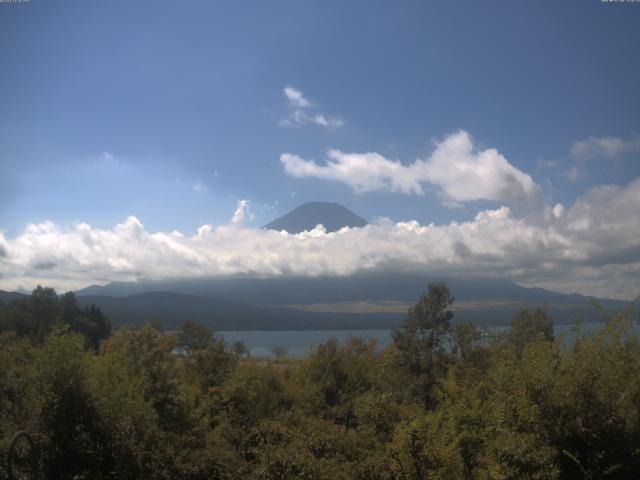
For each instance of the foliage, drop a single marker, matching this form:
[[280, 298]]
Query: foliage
[[527, 327], [421, 340], [36, 316], [444, 401]]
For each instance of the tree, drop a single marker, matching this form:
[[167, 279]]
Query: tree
[[465, 338], [69, 432], [240, 348], [194, 336], [146, 401], [420, 341], [334, 375], [527, 327], [279, 352], [89, 321], [36, 315]]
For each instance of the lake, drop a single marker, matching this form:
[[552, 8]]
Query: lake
[[299, 342]]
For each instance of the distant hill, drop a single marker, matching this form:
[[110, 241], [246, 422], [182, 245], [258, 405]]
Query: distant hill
[[174, 308], [357, 302], [6, 297], [357, 287], [258, 302], [332, 216]]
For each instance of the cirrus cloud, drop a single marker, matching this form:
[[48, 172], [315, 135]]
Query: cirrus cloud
[[301, 112], [604, 147]]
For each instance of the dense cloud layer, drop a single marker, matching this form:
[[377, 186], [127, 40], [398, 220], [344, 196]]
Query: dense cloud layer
[[592, 247], [460, 172]]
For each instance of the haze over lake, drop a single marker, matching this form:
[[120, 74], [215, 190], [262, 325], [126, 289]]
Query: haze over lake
[[299, 343]]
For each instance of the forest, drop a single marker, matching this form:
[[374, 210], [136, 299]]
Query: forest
[[445, 401]]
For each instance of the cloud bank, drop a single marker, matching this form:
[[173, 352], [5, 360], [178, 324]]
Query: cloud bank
[[592, 247], [460, 172]]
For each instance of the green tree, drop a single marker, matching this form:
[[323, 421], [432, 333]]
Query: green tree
[[17, 359], [465, 340], [527, 327], [89, 321], [158, 427], [70, 434], [194, 336], [332, 377], [279, 352], [36, 315], [421, 340], [240, 348], [592, 413]]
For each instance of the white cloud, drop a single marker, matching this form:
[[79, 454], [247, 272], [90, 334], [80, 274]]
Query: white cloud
[[296, 98], [242, 212], [199, 187], [363, 172], [461, 173], [326, 121], [592, 247], [604, 147], [464, 174], [297, 115]]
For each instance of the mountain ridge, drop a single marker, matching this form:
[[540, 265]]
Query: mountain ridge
[[6, 297], [270, 304], [377, 286]]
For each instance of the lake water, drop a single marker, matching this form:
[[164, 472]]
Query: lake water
[[299, 342]]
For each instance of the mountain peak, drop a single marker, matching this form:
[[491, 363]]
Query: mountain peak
[[332, 216]]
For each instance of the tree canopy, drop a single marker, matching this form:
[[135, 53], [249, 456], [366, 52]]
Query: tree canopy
[[443, 401]]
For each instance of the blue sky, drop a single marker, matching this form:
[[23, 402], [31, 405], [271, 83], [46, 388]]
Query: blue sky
[[173, 112], [185, 90]]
